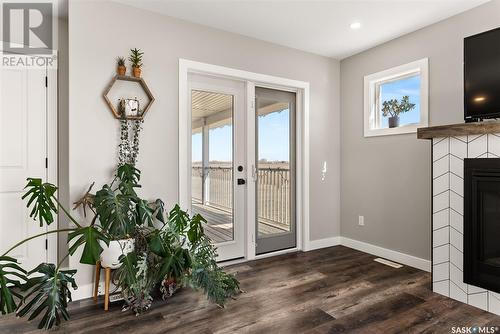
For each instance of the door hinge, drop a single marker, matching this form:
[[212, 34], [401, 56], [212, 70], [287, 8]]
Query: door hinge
[[46, 243], [46, 162], [46, 81]]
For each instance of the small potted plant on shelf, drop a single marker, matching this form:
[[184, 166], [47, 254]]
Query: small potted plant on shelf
[[393, 108], [120, 62], [136, 59]]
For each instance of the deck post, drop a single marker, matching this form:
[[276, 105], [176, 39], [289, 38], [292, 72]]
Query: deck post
[[205, 164]]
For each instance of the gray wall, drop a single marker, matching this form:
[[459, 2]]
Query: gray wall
[[387, 179], [100, 31]]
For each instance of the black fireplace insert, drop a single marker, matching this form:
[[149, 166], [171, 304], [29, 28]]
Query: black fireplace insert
[[482, 223]]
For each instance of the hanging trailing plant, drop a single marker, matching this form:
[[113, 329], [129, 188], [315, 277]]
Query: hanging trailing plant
[[128, 149]]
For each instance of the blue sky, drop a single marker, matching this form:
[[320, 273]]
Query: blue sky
[[273, 139], [397, 89]]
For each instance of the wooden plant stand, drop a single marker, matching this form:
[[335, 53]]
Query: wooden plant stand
[[107, 279]]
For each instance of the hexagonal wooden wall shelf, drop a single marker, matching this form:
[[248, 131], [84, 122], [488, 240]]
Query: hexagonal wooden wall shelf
[[114, 108]]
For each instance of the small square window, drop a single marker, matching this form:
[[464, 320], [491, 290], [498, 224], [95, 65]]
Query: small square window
[[396, 100]]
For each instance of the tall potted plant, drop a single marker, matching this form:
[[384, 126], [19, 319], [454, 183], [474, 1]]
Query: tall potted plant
[[168, 249], [136, 59], [393, 108]]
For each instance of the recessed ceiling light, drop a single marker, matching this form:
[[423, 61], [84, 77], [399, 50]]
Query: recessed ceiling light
[[355, 25]]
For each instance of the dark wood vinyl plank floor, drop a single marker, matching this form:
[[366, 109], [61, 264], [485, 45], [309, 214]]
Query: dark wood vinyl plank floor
[[332, 290]]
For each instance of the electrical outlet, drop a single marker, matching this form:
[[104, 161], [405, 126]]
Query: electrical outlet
[[361, 220]]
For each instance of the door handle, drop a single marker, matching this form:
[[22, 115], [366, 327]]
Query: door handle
[[241, 182]]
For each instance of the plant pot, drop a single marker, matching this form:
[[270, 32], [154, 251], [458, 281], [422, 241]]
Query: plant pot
[[394, 122], [121, 70], [110, 256], [136, 72]]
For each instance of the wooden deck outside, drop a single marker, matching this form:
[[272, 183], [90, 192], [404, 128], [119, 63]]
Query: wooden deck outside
[[220, 223]]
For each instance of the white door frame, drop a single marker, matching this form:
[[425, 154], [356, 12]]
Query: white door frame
[[52, 156], [252, 79]]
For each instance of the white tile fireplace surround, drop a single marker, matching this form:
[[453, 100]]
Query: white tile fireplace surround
[[447, 215]]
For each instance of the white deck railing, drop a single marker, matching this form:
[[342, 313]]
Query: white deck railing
[[273, 192]]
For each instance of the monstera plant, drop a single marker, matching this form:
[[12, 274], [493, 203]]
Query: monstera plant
[[169, 251]]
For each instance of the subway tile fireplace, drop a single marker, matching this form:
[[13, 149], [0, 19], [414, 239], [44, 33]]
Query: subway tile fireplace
[[466, 234]]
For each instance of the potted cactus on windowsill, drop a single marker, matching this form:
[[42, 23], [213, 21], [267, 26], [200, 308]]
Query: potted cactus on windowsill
[[393, 108]]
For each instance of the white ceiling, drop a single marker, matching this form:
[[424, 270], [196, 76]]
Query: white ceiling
[[320, 27]]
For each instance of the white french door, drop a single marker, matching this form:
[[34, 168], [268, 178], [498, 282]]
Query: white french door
[[23, 153], [243, 158], [218, 160]]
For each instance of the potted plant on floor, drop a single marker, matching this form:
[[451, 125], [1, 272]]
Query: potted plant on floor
[[120, 63], [168, 251], [136, 59], [393, 108]]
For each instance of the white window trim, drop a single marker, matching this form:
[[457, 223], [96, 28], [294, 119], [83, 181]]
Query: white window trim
[[371, 99]]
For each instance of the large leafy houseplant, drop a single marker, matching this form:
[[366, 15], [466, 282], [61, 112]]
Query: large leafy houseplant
[[170, 251]]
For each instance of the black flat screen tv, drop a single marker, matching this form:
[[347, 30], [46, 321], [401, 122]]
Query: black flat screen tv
[[482, 76]]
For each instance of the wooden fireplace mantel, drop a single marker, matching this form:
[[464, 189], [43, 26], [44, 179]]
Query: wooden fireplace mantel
[[462, 129]]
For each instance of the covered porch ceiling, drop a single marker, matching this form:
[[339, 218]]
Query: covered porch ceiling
[[216, 109]]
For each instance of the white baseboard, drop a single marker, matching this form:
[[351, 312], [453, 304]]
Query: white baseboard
[[385, 253], [389, 254], [323, 243]]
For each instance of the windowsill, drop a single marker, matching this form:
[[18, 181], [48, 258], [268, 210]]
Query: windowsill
[[400, 130]]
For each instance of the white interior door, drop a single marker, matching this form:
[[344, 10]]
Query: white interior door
[[23, 152], [218, 160]]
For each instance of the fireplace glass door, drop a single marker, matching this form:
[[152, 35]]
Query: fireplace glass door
[[482, 223]]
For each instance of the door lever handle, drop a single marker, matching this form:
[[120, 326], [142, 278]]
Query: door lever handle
[[241, 181]]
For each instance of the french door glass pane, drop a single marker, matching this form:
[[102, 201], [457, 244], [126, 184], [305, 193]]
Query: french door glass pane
[[273, 166], [212, 162]]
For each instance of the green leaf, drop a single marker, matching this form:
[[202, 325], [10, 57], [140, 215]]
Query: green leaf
[[159, 209], [114, 211], [195, 231], [10, 271], [129, 177], [158, 244], [89, 236], [175, 264], [126, 274], [48, 291], [144, 214], [40, 196], [128, 173], [178, 219]]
